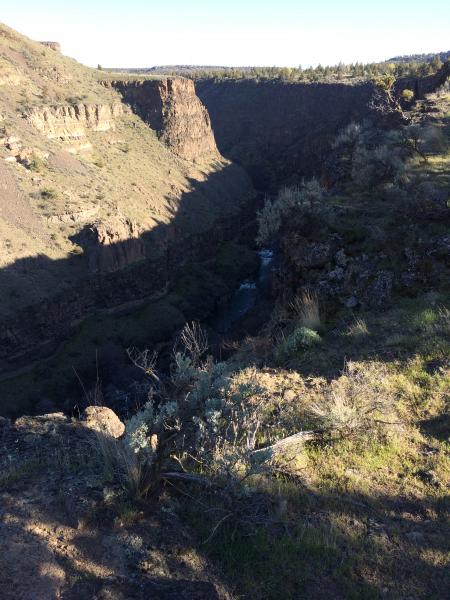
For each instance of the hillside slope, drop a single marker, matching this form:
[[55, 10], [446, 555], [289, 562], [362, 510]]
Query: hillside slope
[[89, 188]]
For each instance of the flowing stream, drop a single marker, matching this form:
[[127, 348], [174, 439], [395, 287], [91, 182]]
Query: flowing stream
[[245, 298]]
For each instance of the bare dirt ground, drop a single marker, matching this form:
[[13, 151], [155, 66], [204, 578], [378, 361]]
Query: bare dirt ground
[[65, 535]]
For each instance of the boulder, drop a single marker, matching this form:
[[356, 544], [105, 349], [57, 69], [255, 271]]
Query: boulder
[[42, 424], [104, 420], [380, 291]]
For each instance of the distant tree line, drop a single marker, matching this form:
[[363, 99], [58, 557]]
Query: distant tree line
[[341, 72], [442, 56]]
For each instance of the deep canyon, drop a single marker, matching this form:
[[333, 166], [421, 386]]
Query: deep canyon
[[145, 204]]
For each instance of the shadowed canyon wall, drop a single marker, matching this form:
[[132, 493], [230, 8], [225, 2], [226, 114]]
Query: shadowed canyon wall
[[116, 271], [283, 131], [423, 85], [280, 131]]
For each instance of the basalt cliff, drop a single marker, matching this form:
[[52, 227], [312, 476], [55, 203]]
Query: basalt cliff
[[281, 131]]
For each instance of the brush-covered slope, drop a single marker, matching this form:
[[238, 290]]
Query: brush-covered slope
[[88, 187]]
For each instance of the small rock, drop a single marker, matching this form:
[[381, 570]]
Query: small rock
[[12, 139], [336, 274], [429, 477], [103, 419], [340, 258], [351, 302]]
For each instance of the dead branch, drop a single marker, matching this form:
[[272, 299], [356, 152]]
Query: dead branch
[[284, 445]]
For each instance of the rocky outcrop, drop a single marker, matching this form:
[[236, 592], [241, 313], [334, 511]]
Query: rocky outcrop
[[423, 85], [56, 46], [73, 121], [112, 245], [9, 75], [172, 108], [103, 420]]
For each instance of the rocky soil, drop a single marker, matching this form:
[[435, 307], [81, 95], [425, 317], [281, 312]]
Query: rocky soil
[[66, 533]]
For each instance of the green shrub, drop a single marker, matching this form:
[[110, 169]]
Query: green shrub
[[353, 403], [290, 202], [298, 341], [197, 413]]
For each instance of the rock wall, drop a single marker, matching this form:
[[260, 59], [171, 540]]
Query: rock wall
[[280, 131], [283, 131], [72, 121], [172, 108], [424, 85]]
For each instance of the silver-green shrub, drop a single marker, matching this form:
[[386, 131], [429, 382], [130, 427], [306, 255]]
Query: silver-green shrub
[[298, 341]]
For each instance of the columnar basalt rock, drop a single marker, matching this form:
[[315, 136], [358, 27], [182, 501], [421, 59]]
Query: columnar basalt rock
[[281, 131], [172, 108]]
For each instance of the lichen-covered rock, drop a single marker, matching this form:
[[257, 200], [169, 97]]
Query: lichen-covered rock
[[104, 420]]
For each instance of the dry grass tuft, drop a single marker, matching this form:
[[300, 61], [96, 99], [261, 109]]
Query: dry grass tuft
[[121, 463], [358, 328], [355, 402], [306, 309]]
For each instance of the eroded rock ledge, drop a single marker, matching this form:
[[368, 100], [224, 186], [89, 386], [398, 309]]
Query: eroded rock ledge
[[72, 121]]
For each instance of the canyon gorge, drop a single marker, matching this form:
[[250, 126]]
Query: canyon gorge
[[224, 330], [111, 197]]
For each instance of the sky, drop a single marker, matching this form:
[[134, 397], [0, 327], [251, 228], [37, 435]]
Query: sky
[[143, 33]]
